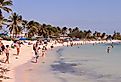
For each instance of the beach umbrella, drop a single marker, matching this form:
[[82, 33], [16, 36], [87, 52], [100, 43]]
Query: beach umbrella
[[22, 38]]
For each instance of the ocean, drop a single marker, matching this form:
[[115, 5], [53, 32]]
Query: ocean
[[88, 63]]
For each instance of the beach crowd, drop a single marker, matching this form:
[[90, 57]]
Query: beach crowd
[[39, 48]]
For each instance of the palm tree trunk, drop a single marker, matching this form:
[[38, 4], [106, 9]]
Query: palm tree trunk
[[1, 17], [0, 13]]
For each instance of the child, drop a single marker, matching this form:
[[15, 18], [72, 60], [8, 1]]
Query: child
[[7, 54]]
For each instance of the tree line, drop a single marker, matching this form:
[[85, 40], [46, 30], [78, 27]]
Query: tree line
[[17, 25]]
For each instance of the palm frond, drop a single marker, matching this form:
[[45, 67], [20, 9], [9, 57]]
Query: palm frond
[[7, 3], [4, 23], [7, 9], [5, 20], [9, 20]]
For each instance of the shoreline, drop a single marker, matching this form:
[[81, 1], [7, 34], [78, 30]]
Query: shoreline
[[40, 71], [25, 58]]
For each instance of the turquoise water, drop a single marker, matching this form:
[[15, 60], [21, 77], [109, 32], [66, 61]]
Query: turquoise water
[[88, 63]]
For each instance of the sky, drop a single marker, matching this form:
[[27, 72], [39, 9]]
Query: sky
[[96, 15]]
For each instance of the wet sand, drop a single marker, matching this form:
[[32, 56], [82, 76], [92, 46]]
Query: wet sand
[[37, 72]]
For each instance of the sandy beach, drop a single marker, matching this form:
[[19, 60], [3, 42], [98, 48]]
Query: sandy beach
[[23, 70], [30, 72]]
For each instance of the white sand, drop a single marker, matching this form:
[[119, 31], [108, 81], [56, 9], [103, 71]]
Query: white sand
[[26, 55]]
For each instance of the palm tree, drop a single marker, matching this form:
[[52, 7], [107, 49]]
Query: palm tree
[[15, 26], [32, 28], [74, 32], [95, 35], [64, 30], [4, 6], [70, 30], [3, 21], [76, 29], [88, 34], [59, 29], [55, 31], [109, 37], [103, 35], [50, 30], [25, 27], [116, 35], [24, 24], [44, 30]]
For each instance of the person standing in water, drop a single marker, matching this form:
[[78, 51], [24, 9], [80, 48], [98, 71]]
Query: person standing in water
[[108, 50], [112, 46]]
